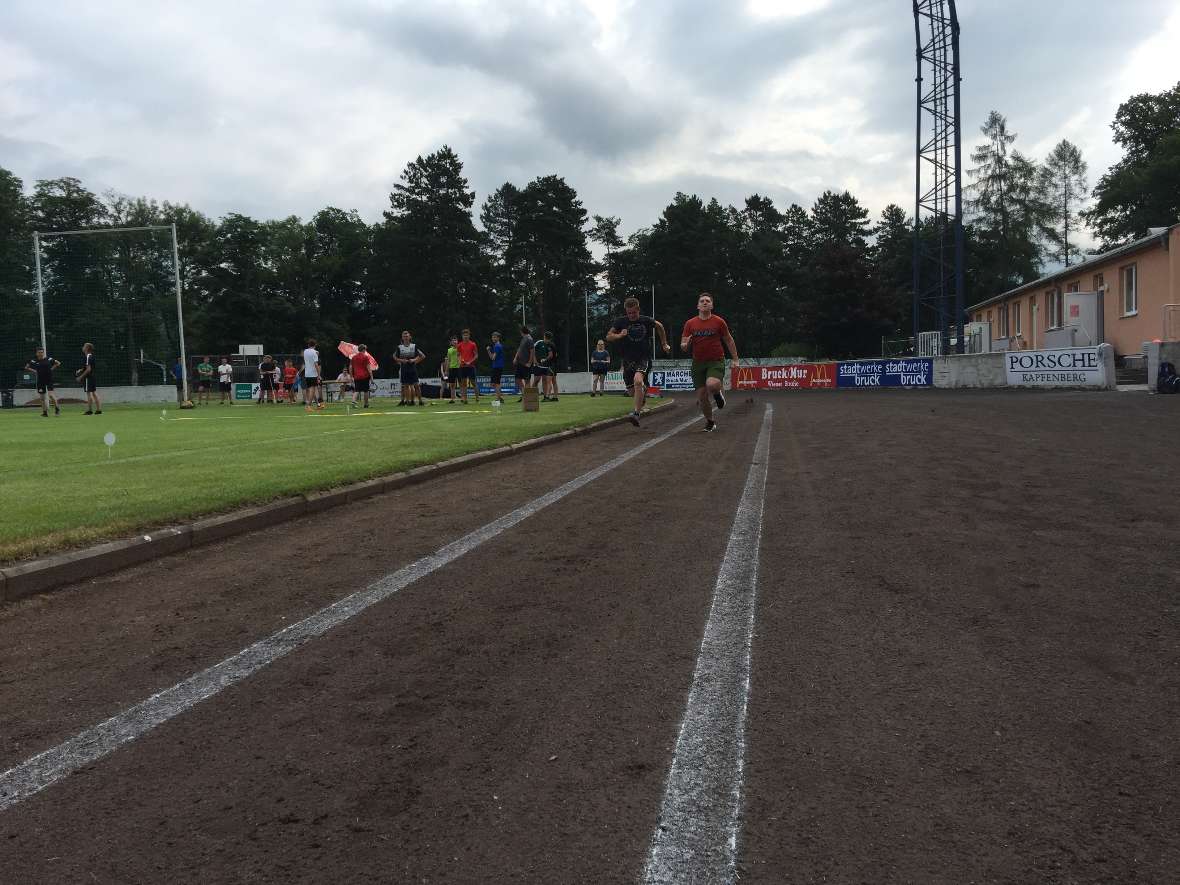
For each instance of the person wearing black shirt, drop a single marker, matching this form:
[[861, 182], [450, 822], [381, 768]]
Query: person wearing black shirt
[[44, 367], [635, 332], [89, 381]]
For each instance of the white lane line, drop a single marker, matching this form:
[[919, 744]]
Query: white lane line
[[696, 838], [87, 747]]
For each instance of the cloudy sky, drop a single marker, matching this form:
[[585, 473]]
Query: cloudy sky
[[274, 109]]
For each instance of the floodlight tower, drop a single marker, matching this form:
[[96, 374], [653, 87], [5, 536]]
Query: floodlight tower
[[938, 191]]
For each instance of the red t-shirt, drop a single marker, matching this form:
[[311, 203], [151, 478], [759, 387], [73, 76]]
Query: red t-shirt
[[289, 374], [705, 338], [360, 366], [468, 352]]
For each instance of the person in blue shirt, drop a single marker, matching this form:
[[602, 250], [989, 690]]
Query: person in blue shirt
[[496, 355], [178, 375], [599, 366]]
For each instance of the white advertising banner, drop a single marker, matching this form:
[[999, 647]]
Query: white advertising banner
[[1073, 367]]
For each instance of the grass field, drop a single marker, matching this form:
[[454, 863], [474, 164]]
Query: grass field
[[60, 488]]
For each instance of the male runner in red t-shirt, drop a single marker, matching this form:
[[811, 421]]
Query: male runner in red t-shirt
[[361, 373], [468, 353], [702, 336]]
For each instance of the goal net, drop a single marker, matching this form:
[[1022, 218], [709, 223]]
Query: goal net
[[115, 288]]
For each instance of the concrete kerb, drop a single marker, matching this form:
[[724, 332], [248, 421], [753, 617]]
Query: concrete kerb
[[40, 575]]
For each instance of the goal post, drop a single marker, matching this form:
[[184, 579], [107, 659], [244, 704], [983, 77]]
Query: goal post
[[117, 287]]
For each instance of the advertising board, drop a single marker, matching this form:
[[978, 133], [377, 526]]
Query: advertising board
[[671, 379], [886, 373], [798, 376], [1072, 367]]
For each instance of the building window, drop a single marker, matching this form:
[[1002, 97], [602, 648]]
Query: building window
[[1003, 318], [1099, 281], [1130, 290], [1074, 287], [1056, 302], [1016, 319]]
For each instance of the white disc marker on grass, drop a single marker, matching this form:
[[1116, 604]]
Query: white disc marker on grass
[[109, 439]]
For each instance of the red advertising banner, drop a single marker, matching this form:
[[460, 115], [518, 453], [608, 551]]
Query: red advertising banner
[[801, 376]]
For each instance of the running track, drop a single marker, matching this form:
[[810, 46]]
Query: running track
[[962, 668]]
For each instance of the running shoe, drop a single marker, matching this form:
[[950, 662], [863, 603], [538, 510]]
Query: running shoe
[[44, 414], [88, 413], [710, 426], [634, 418], [56, 410], [719, 398], [99, 412]]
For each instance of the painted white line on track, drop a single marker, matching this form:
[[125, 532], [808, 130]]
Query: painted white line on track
[[696, 837], [87, 747]]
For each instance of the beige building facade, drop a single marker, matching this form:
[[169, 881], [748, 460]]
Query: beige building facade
[[1137, 296]]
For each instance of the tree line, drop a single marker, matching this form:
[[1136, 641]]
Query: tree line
[[825, 280]]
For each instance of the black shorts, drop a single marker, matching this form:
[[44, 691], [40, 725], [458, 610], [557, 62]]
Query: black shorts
[[630, 367], [268, 382], [311, 382], [203, 384], [42, 388], [225, 386], [467, 372], [600, 370], [497, 374], [408, 374], [542, 371], [361, 385], [89, 384], [523, 373]]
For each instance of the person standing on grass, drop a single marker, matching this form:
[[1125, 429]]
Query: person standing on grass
[[89, 380], [599, 366], [290, 374], [468, 354], [178, 376], [496, 355], [204, 380], [43, 366], [225, 381], [635, 331], [408, 357], [453, 366], [362, 373], [704, 336], [266, 380], [311, 377], [523, 361], [542, 355], [553, 353]]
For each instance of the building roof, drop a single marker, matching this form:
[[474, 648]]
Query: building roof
[[1156, 235]]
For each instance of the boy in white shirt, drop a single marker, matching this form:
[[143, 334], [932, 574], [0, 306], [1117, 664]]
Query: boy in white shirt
[[311, 377]]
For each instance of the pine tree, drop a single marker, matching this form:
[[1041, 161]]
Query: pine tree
[[1064, 188]]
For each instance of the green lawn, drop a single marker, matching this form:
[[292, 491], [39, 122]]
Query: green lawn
[[59, 489]]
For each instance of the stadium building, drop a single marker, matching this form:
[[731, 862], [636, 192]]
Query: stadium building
[[1124, 297]]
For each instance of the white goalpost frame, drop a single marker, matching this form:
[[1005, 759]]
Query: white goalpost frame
[[37, 235]]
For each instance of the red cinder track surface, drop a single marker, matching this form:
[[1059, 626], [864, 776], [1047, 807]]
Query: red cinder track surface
[[965, 664]]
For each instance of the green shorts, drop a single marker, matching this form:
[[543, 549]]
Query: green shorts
[[701, 371]]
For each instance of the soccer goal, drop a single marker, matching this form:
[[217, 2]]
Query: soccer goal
[[117, 288]]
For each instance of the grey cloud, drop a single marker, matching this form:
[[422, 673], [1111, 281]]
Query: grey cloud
[[578, 98]]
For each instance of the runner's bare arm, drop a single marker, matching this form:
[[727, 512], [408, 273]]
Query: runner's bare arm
[[663, 337], [613, 334], [732, 345]]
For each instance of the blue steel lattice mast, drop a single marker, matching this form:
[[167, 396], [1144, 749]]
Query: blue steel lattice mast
[[938, 190]]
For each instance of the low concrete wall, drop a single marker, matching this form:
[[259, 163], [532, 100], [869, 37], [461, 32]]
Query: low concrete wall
[[983, 370], [1160, 352], [151, 393], [970, 370]]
